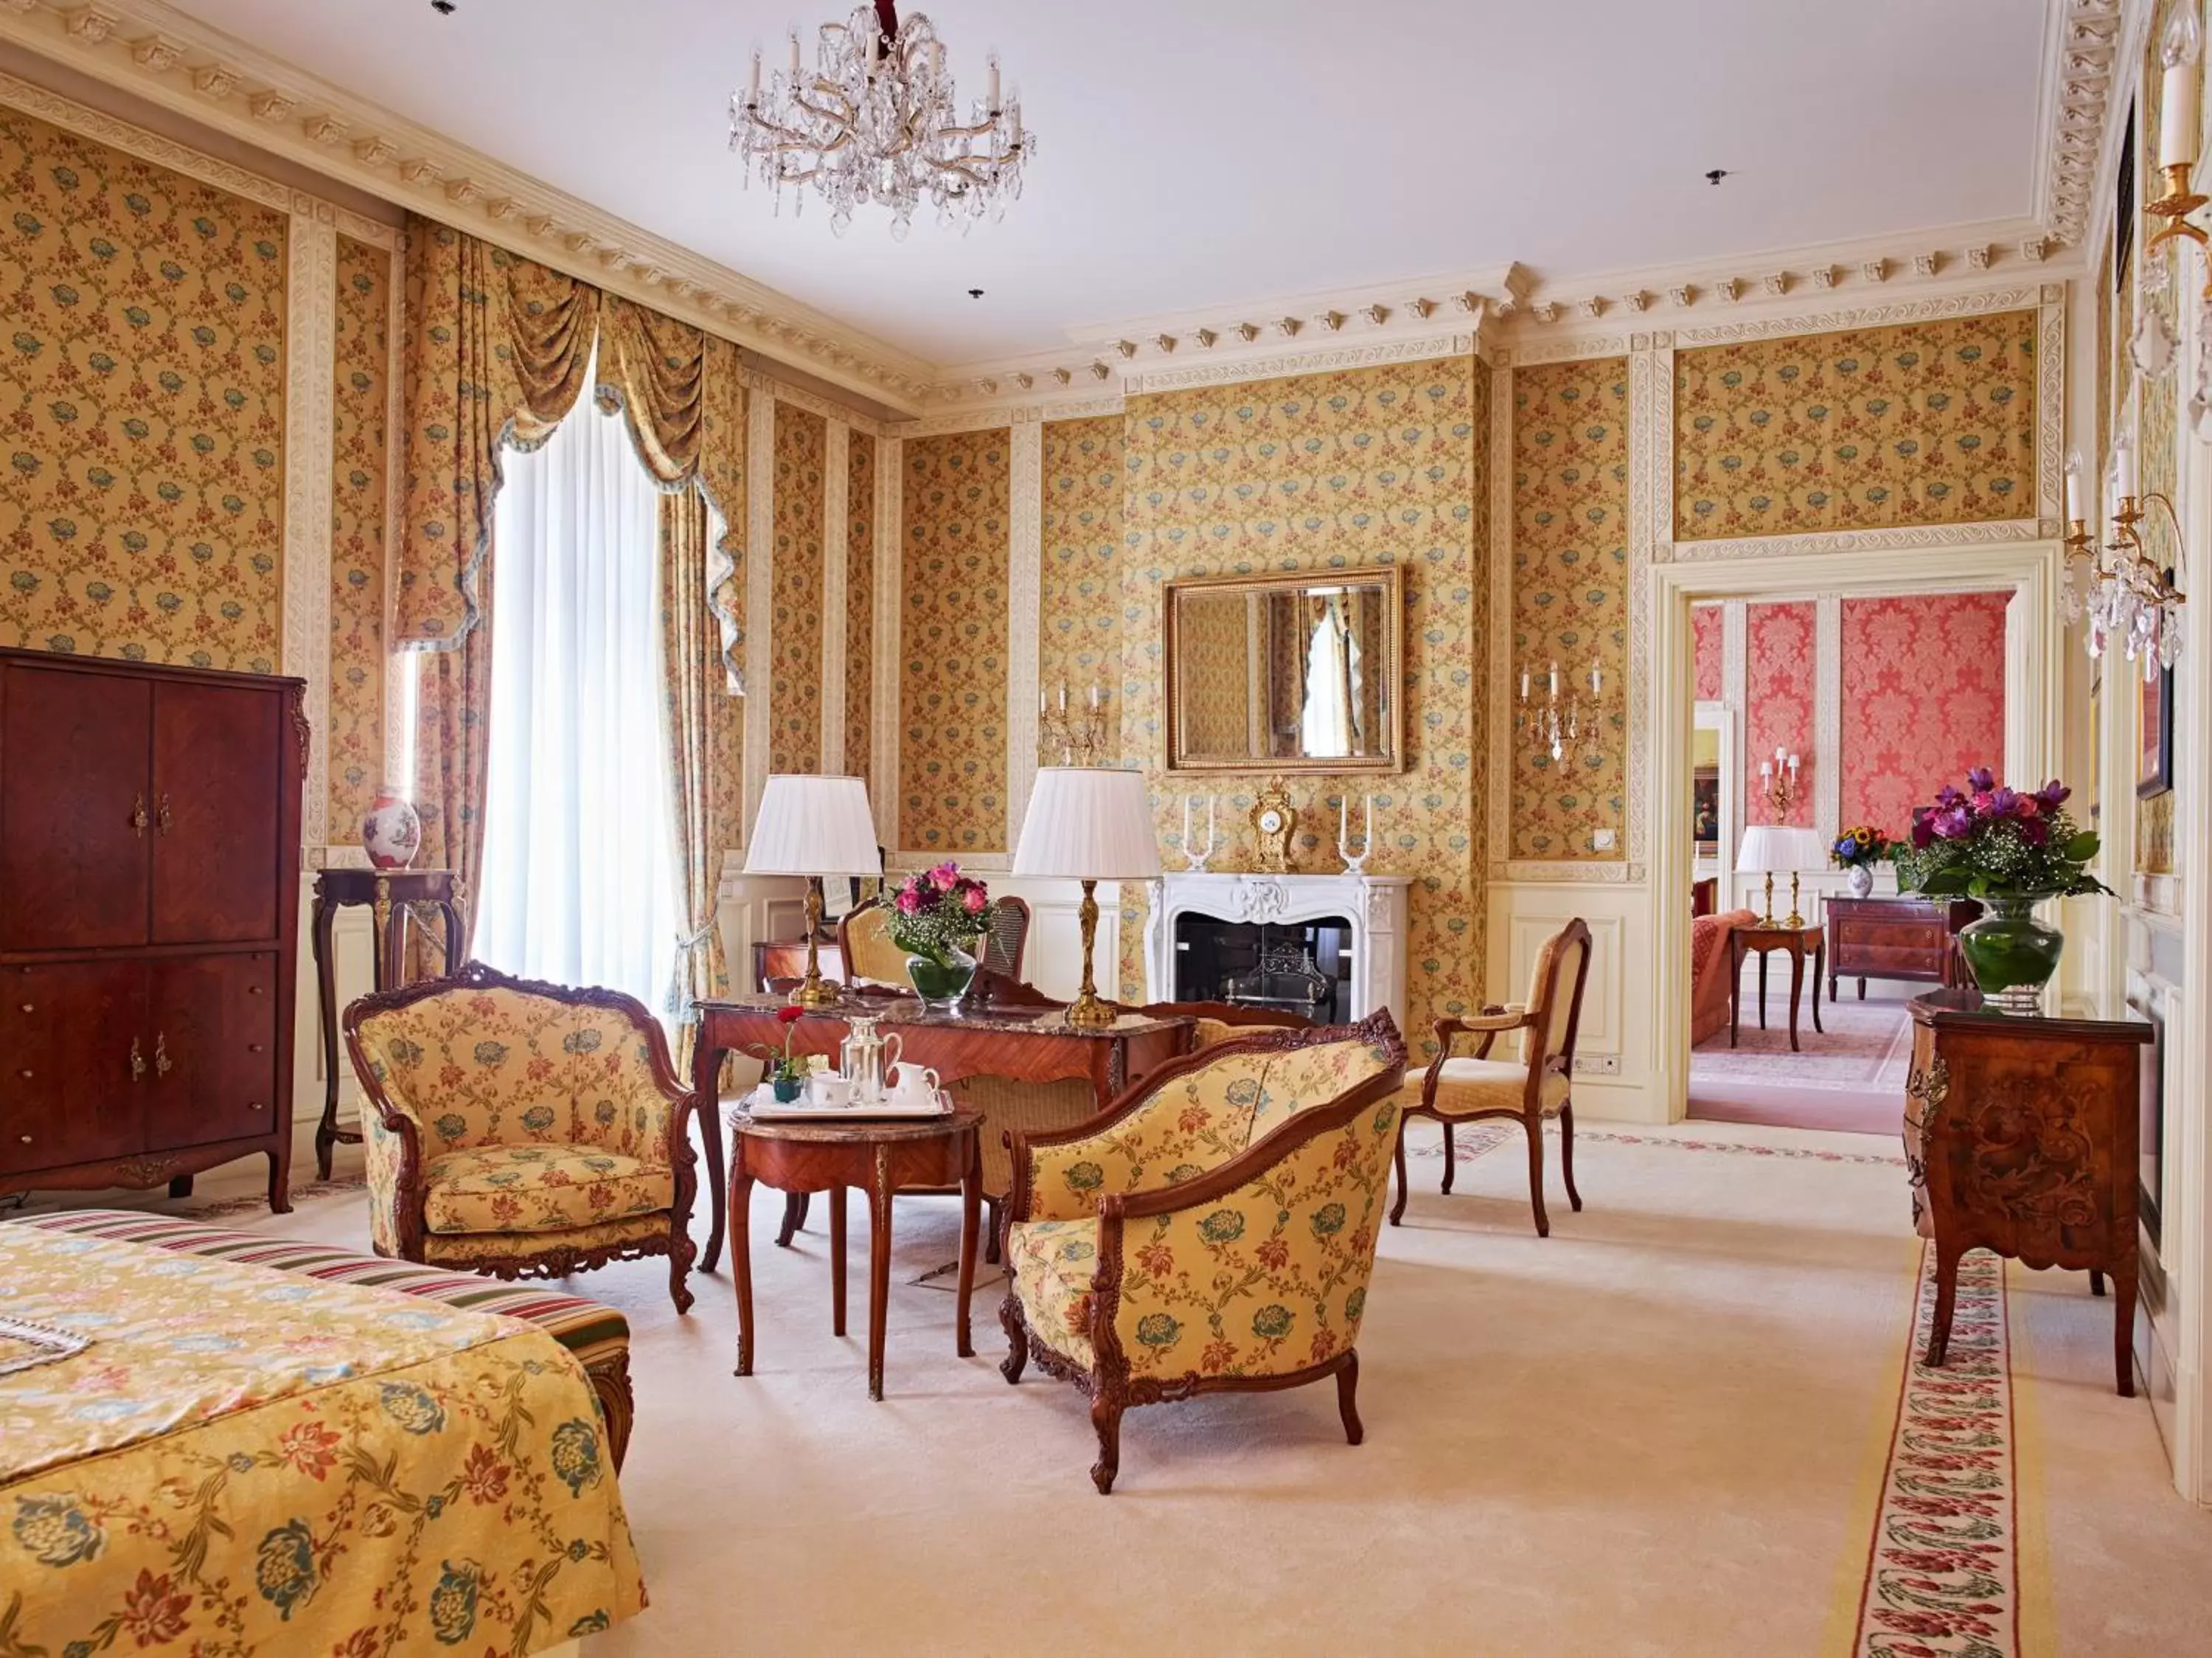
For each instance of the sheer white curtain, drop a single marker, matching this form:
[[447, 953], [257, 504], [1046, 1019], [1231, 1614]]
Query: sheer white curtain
[[1325, 726], [578, 882]]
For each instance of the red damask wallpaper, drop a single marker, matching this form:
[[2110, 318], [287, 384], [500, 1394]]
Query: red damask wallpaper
[[1778, 702], [1705, 623], [1924, 699]]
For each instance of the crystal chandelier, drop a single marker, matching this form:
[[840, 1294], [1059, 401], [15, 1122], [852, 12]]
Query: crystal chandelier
[[876, 119], [2127, 600]]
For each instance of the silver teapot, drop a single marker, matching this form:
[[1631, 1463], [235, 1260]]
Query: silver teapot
[[866, 1060]]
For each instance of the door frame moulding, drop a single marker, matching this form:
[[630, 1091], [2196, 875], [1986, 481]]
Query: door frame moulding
[[1651, 378], [2034, 689]]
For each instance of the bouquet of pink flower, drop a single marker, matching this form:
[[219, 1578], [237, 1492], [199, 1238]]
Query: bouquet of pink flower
[[938, 912], [1988, 841]]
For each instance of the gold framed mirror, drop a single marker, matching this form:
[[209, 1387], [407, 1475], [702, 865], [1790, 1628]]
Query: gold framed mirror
[[1295, 672]]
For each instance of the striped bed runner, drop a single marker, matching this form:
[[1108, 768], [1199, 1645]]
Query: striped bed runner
[[593, 1332]]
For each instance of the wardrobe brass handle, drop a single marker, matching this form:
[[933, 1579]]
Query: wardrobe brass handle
[[162, 1064], [137, 1061], [138, 815], [162, 817]]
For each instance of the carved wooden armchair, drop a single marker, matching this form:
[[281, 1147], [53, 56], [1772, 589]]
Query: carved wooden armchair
[[1215, 1228], [522, 1128], [1459, 1088]]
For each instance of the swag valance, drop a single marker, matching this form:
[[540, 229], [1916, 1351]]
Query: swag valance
[[497, 348]]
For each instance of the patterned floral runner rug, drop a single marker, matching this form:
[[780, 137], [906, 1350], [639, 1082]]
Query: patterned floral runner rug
[[1942, 1575]]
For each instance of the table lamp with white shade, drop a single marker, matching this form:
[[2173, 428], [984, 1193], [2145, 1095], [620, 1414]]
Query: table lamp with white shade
[[1089, 824], [1772, 848], [813, 826]]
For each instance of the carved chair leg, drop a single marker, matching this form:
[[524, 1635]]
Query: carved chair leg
[[1451, 1158], [1567, 1154], [2096, 1282], [1398, 1209], [1348, 1390], [610, 1381], [1017, 1338], [1106, 1417], [991, 1230], [1535, 1124], [794, 1217], [681, 1253]]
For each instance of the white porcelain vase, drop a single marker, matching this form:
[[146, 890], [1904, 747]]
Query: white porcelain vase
[[391, 833], [1859, 879]]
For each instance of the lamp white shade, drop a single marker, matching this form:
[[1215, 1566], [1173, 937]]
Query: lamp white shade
[[811, 826], [1088, 822], [1779, 848]]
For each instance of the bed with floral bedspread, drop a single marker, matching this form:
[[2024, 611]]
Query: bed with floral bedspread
[[245, 1461]]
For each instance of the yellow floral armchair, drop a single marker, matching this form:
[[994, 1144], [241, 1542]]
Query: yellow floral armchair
[[522, 1128], [1215, 1228]]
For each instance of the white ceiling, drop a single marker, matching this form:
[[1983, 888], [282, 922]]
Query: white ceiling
[[1193, 156]]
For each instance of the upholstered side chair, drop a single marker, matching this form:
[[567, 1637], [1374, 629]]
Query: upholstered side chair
[[1466, 1089], [1214, 1229], [522, 1130]]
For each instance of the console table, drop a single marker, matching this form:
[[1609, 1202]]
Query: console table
[[387, 892], [2021, 1136], [1908, 938], [1795, 942], [1023, 1044]]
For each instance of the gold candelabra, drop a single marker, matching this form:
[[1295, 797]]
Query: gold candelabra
[[1077, 736], [1778, 782], [2175, 207]]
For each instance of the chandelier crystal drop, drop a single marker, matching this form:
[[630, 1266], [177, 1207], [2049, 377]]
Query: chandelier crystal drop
[[876, 120]]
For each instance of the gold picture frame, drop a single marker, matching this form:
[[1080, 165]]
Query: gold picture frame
[[1242, 688]]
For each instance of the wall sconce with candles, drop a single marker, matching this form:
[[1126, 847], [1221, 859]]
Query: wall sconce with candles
[[1778, 784], [2122, 593], [1079, 738], [1556, 726]]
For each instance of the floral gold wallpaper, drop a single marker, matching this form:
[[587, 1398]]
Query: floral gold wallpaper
[[355, 738], [953, 633], [860, 604], [794, 689], [1080, 635], [1778, 692], [1571, 602], [1924, 699], [1381, 465], [143, 497], [1925, 423]]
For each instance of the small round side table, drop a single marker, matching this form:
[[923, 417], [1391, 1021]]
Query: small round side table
[[882, 1158], [387, 892]]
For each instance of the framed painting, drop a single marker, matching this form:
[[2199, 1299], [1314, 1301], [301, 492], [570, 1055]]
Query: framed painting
[[1705, 810], [2155, 764]]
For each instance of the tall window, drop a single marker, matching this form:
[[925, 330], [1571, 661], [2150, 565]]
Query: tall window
[[578, 881]]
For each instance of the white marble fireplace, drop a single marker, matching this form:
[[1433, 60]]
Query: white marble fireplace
[[1373, 905]]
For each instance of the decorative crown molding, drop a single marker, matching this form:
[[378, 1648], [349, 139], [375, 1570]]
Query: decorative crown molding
[[156, 53]]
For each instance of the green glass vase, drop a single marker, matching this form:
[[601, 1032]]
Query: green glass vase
[[940, 983], [2011, 955]]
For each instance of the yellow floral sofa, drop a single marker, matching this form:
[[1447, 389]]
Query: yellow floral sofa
[[1215, 1230], [522, 1128]]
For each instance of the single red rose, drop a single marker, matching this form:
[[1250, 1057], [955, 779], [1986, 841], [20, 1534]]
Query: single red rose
[[790, 1016]]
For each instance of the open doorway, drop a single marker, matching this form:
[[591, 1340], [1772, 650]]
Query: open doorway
[[1813, 717]]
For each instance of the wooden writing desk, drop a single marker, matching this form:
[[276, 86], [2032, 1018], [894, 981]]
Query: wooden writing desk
[[1024, 1045]]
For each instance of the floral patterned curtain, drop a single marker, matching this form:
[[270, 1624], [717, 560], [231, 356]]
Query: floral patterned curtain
[[690, 709], [498, 348]]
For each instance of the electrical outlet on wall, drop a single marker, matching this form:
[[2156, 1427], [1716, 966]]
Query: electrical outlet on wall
[[1601, 840], [1597, 1064]]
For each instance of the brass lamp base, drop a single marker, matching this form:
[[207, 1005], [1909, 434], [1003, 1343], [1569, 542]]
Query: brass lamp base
[[1766, 913], [1796, 920], [1087, 1010], [814, 990]]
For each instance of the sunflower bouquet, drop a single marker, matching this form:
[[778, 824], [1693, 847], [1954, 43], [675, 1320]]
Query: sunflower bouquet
[[1861, 848]]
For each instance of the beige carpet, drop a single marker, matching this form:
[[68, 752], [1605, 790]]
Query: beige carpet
[[1663, 1431]]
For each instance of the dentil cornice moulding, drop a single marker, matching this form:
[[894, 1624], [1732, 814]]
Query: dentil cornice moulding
[[155, 52]]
